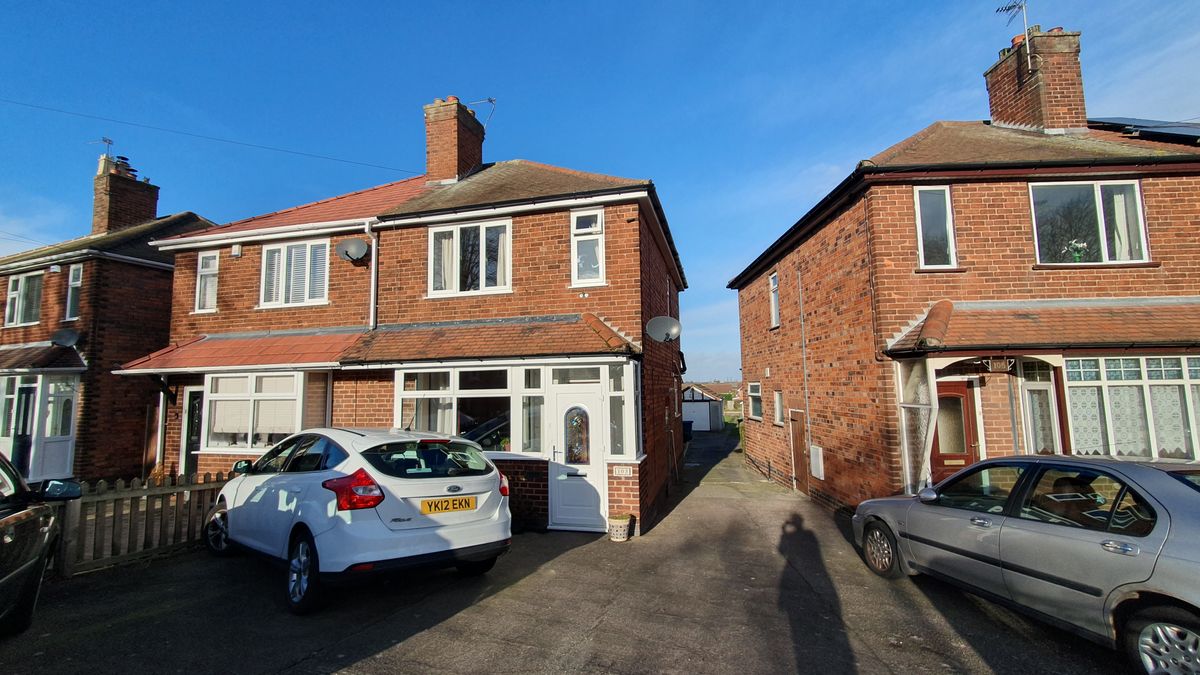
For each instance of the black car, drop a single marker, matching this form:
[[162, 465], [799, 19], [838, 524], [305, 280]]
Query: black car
[[29, 531]]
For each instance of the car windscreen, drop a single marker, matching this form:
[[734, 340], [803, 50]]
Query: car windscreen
[[1189, 478], [426, 459]]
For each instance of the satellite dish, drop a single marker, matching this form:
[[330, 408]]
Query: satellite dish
[[352, 250], [663, 329], [65, 338]]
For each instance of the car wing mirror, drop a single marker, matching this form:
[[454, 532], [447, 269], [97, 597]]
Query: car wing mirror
[[242, 466], [60, 490], [927, 495]]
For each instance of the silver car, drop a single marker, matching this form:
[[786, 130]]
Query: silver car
[[1106, 548]]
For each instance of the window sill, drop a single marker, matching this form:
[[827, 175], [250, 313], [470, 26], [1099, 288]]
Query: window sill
[[588, 284], [754, 419], [1092, 266], [778, 424], [467, 294], [70, 320], [509, 454], [21, 325], [292, 305], [213, 311], [939, 270], [775, 327]]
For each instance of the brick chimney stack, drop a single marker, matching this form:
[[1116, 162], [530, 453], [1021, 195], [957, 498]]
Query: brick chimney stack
[[120, 199], [453, 140], [1037, 83]]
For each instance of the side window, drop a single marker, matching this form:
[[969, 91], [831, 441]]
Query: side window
[[276, 457], [587, 248], [206, 281], [1132, 516], [774, 283], [935, 227], [1074, 498], [311, 454], [985, 490], [74, 288], [10, 486]]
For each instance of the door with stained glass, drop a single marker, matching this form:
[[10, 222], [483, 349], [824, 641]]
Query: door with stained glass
[[577, 478]]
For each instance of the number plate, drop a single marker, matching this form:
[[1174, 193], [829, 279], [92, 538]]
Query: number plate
[[447, 504]]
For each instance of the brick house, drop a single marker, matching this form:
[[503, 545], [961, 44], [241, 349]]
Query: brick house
[[503, 302], [1021, 285], [74, 311]]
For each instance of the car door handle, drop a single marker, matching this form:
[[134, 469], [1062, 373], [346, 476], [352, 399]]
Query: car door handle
[[1119, 547], [981, 522]]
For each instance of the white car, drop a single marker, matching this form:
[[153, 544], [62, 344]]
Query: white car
[[335, 503]]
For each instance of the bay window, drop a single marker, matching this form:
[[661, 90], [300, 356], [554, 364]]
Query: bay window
[[254, 412], [294, 274], [474, 258], [1088, 222]]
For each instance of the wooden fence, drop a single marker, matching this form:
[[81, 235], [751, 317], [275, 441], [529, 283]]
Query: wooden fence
[[117, 523]]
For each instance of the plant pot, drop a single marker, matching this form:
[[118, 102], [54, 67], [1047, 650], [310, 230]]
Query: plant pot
[[620, 527]]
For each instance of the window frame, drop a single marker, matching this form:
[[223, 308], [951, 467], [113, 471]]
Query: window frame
[[200, 273], [1101, 231], [777, 401], [1012, 500], [454, 274], [950, 233], [74, 288], [595, 233], [1038, 473], [298, 394], [14, 306], [282, 276], [773, 294], [754, 391]]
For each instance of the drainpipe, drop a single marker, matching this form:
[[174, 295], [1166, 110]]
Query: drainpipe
[[804, 371], [373, 321]]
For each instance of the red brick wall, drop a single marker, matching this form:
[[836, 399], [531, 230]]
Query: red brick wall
[[528, 499], [364, 399], [453, 140], [850, 391], [120, 201]]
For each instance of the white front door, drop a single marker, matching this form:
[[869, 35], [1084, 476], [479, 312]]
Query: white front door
[[577, 477]]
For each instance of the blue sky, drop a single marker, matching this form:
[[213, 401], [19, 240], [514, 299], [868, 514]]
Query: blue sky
[[744, 114]]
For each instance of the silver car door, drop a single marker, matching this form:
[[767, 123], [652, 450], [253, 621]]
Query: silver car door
[[958, 535], [1078, 534]]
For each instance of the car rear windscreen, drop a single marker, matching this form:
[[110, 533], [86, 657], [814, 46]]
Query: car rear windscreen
[[424, 459], [1189, 478]]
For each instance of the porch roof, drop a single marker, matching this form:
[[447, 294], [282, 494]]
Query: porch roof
[[40, 357], [243, 351], [555, 335], [1101, 323]]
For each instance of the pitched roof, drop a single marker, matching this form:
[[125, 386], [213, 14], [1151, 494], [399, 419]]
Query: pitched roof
[[130, 241], [361, 204], [704, 391], [1054, 324], [224, 351], [948, 143], [43, 357], [574, 334], [515, 180]]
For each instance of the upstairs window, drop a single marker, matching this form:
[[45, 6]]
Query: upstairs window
[[774, 279], [294, 274], [473, 258], [935, 227], [1088, 223], [74, 289], [587, 248], [206, 282], [24, 306]]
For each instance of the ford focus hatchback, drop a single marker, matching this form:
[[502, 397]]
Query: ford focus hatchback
[[335, 503]]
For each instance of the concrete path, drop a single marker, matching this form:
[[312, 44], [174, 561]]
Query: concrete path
[[741, 577]]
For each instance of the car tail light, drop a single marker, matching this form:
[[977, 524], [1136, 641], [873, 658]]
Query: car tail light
[[503, 485], [356, 491]]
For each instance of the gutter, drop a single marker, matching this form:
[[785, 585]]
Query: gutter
[[1049, 346], [84, 254]]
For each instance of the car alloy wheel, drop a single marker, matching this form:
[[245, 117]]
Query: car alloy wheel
[[298, 571], [1165, 647], [879, 550], [216, 531], [303, 574]]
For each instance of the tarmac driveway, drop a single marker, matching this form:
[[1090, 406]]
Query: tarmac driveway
[[740, 577]]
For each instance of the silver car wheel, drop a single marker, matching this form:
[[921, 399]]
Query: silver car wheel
[[217, 531], [879, 550], [1168, 648], [298, 571]]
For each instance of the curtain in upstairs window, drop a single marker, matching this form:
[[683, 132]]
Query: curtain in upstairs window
[[497, 257], [443, 260]]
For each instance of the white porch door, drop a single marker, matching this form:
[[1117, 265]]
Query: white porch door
[[577, 477]]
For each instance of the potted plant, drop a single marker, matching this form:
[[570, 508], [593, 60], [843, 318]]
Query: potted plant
[[620, 526]]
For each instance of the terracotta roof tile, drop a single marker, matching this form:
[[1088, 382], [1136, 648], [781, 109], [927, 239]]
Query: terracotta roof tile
[[1000, 326], [208, 352]]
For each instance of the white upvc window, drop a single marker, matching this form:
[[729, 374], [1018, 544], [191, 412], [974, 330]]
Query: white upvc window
[[1088, 223], [470, 259], [587, 248], [778, 407], [74, 290], [754, 393], [1134, 407], [251, 411], [24, 306], [206, 281], [935, 227], [774, 279], [295, 273]]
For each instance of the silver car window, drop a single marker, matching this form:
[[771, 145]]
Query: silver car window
[[985, 490], [1072, 497]]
